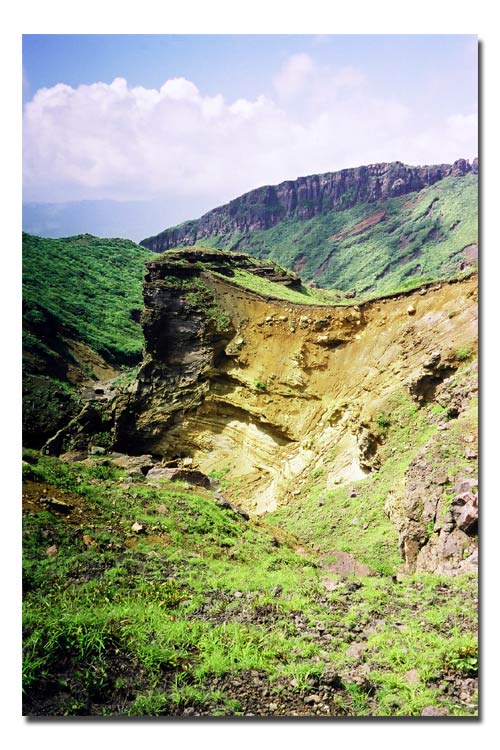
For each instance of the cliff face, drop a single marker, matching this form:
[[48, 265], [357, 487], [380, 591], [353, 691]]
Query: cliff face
[[275, 394], [307, 197]]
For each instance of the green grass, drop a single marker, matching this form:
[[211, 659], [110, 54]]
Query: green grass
[[419, 240], [91, 286], [118, 623]]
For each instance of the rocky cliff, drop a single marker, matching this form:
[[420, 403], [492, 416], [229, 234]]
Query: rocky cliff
[[307, 197], [286, 401], [360, 419]]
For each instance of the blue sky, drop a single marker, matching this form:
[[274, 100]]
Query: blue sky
[[201, 119], [240, 65]]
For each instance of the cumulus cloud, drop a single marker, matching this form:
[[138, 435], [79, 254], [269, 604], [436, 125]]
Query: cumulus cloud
[[113, 140]]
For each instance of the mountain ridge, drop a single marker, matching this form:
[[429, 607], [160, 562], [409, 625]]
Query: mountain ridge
[[307, 197]]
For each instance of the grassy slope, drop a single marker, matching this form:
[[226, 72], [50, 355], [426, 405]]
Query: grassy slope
[[417, 239], [88, 284], [212, 615]]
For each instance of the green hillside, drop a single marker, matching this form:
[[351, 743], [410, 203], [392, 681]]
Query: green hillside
[[420, 236], [91, 286], [81, 301]]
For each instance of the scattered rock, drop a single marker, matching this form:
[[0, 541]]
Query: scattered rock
[[237, 594], [224, 503], [355, 650], [470, 454], [191, 476], [434, 711], [469, 515], [465, 484], [345, 564], [138, 528], [312, 698], [97, 450], [412, 677], [353, 492], [432, 360], [57, 505], [442, 478], [410, 310]]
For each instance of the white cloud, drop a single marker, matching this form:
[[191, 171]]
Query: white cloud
[[293, 76], [116, 141]]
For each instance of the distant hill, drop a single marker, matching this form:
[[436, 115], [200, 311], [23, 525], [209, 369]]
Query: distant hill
[[372, 228], [105, 218]]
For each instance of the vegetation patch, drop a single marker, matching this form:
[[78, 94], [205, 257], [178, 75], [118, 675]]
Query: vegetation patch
[[203, 613], [91, 286], [418, 241]]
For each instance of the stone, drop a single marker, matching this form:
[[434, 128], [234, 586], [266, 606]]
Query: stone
[[224, 503], [441, 478], [191, 476], [138, 528], [237, 594], [353, 492], [435, 711], [161, 509], [331, 679], [355, 650], [345, 564], [432, 360], [465, 484], [312, 698], [470, 454], [410, 310], [51, 551], [412, 677], [58, 505], [469, 513], [97, 450]]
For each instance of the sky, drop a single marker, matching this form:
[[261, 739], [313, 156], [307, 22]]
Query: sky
[[198, 120]]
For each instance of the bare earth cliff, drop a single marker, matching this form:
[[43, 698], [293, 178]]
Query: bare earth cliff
[[276, 393]]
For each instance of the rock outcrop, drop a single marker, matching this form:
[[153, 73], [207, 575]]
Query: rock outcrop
[[307, 197], [436, 513], [266, 393], [263, 386]]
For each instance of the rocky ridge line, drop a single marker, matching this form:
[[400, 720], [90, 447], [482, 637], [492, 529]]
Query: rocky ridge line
[[307, 197]]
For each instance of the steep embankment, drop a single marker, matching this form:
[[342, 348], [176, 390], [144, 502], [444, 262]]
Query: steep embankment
[[269, 395], [374, 228], [81, 306]]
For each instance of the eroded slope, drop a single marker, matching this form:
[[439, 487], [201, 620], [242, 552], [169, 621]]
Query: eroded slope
[[265, 393]]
